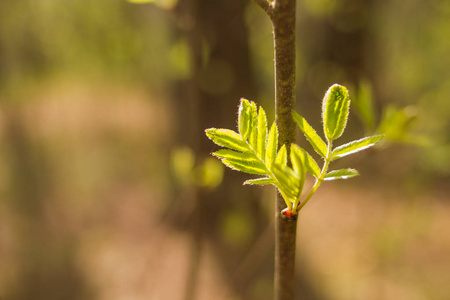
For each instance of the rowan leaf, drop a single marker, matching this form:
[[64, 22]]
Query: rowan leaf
[[281, 158], [288, 182], [311, 135], [230, 154], [244, 118], [355, 146], [297, 159], [227, 138], [341, 174], [335, 109], [310, 164], [271, 146], [253, 135], [259, 181], [262, 134], [245, 166]]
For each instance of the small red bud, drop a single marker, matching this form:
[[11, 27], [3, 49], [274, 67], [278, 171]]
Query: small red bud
[[287, 213]]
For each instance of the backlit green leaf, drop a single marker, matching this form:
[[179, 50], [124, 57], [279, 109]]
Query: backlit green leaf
[[227, 138], [247, 158], [244, 118], [281, 158], [335, 109], [245, 166], [271, 146], [355, 146], [262, 134], [314, 139], [288, 181], [310, 164], [253, 138], [260, 181], [230, 154], [297, 158], [341, 174]]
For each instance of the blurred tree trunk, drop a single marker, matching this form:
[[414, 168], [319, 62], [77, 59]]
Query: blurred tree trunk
[[220, 76]]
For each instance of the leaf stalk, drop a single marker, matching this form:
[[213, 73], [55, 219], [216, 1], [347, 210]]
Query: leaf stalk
[[319, 179]]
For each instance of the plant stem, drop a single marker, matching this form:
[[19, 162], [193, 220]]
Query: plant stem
[[283, 21]]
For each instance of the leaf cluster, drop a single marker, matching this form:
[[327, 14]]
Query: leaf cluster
[[254, 148]]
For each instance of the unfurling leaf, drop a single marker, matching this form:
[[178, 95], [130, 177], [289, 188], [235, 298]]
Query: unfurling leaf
[[335, 109], [271, 146], [227, 138], [260, 181], [314, 139], [355, 146], [341, 174]]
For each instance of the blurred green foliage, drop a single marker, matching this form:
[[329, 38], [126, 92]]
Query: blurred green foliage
[[207, 174]]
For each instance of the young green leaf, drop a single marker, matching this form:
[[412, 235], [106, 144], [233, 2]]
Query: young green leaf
[[260, 181], [271, 146], [341, 174], [335, 109], [227, 138], [230, 154], [241, 159], [314, 139], [297, 158], [309, 162], [281, 158], [253, 137], [262, 134], [288, 181], [245, 166], [355, 146], [244, 119]]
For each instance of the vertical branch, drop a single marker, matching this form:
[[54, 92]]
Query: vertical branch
[[283, 20]]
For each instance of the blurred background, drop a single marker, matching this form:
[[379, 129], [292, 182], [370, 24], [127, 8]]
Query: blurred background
[[107, 188]]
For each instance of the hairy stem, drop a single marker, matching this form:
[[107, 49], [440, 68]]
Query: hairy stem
[[283, 21]]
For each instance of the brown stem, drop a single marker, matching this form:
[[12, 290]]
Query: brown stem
[[286, 229], [283, 20]]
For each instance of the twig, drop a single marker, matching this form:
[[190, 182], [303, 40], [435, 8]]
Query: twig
[[266, 5]]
